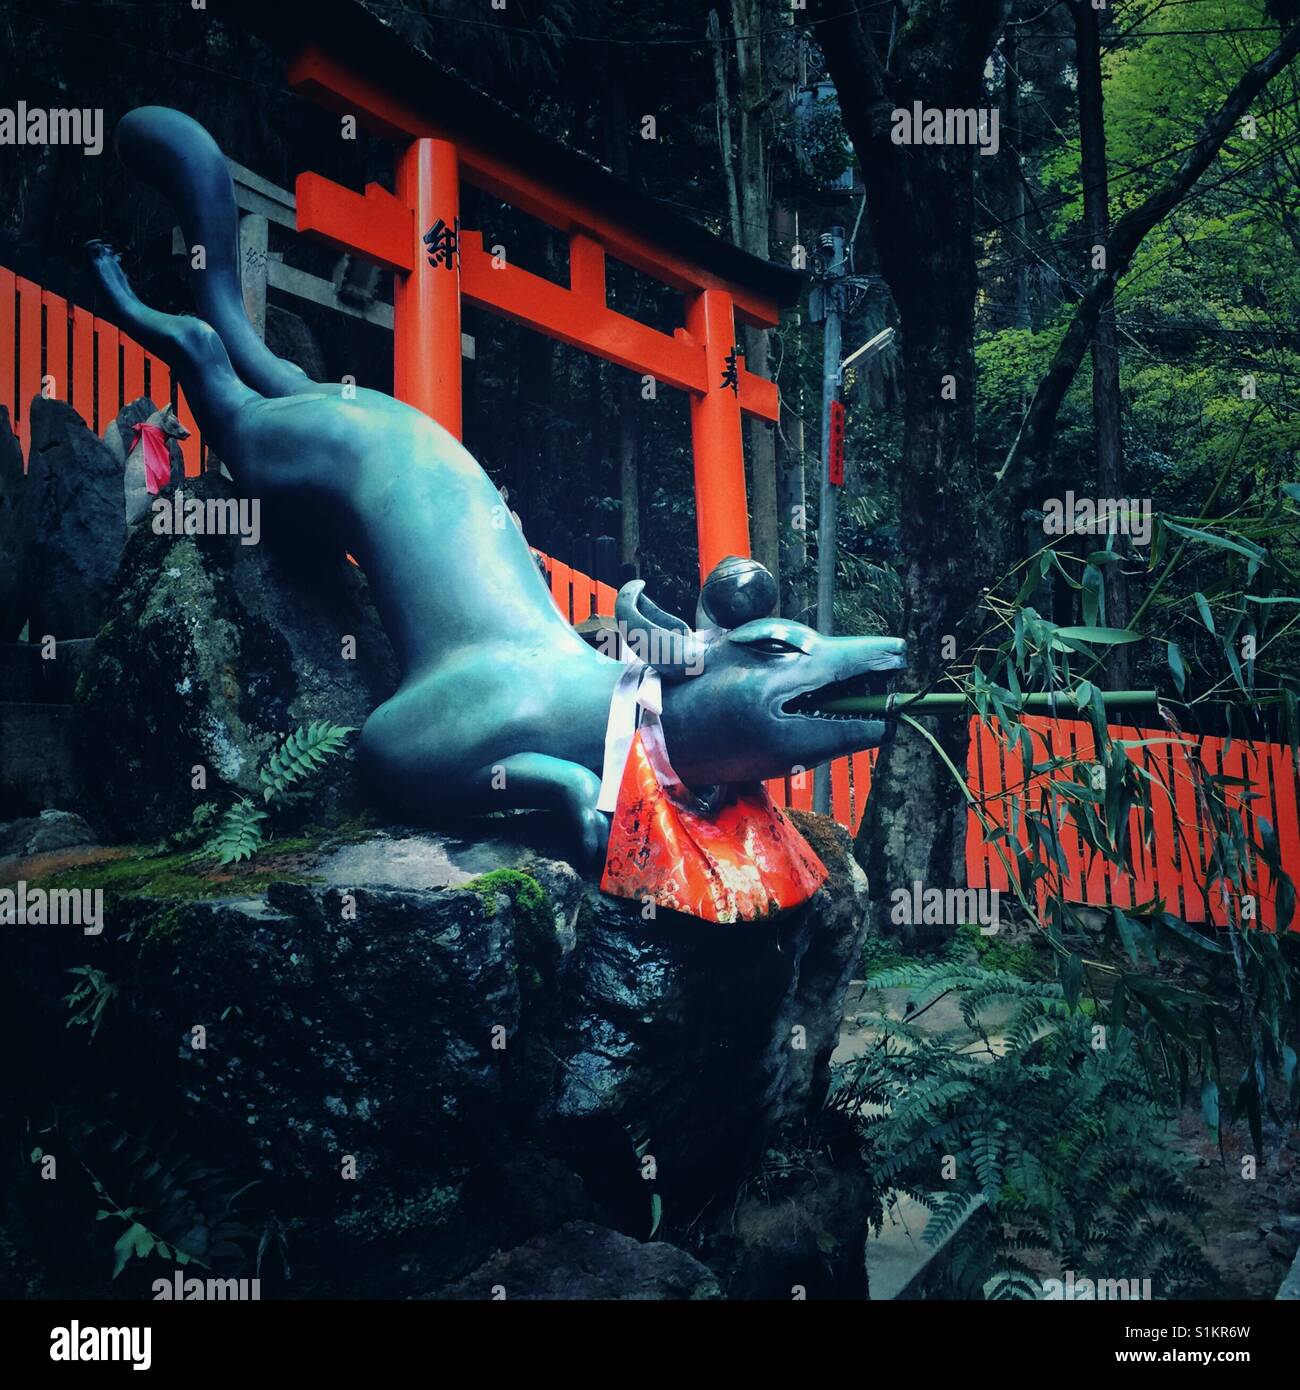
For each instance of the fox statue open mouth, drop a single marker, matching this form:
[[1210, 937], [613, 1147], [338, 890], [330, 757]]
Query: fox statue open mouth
[[501, 704]]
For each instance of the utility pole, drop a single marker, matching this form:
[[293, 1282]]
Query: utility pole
[[832, 304]]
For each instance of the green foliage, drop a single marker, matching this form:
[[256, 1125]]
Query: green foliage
[[89, 997], [1180, 991], [176, 1209], [305, 750], [1048, 1146], [995, 952], [203, 821], [239, 833], [522, 889]]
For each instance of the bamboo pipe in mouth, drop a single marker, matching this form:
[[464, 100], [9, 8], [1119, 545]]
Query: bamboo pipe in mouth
[[1048, 702]]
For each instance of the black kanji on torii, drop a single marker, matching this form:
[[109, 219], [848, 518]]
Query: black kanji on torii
[[443, 242], [731, 375]]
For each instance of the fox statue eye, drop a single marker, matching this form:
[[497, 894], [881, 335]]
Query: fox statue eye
[[772, 646]]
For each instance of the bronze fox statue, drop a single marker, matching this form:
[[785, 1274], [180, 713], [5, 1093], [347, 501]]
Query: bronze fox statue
[[501, 703]]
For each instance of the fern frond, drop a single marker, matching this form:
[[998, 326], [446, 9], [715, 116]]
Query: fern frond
[[301, 754], [239, 833]]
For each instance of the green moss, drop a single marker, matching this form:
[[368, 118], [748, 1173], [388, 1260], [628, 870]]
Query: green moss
[[523, 890], [189, 874], [879, 955], [158, 874], [1023, 958], [537, 948], [392, 1217], [184, 877]]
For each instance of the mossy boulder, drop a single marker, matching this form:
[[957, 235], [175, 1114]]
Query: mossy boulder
[[427, 1048], [73, 520], [212, 652]]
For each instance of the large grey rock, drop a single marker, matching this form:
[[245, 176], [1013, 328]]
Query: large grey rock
[[211, 653], [427, 1048], [13, 547], [288, 336], [37, 766], [587, 1262], [51, 830], [72, 520]]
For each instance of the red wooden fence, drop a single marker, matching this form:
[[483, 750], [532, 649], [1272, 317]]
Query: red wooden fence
[[53, 348], [48, 346]]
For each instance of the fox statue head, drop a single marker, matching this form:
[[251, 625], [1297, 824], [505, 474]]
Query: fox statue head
[[743, 696]]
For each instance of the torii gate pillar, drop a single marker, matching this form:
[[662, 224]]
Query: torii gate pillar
[[426, 299], [717, 443]]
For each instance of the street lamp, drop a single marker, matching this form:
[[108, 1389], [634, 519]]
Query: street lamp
[[872, 345]]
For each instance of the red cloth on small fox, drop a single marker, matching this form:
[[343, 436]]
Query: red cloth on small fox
[[745, 862], [157, 462]]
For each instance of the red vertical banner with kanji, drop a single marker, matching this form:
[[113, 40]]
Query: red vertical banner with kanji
[[835, 454]]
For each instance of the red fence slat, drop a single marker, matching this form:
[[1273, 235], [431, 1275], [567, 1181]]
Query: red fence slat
[[132, 370], [560, 587], [83, 367], [108, 391], [9, 346], [29, 357], [56, 346], [191, 448]]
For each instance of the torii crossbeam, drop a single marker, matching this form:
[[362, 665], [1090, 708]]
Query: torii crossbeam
[[416, 233]]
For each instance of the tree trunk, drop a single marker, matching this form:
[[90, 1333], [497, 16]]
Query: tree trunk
[[1016, 240], [747, 18], [722, 112], [920, 199], [1105, 348], [628, 392]]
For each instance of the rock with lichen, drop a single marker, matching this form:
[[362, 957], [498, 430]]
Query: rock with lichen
[[425, 1048], [211, 653]]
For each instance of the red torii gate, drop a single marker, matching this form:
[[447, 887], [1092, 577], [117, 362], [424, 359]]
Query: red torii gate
[[416, 233]]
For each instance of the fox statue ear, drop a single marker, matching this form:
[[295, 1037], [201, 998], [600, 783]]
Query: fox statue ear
[[658, 638], [736, 592]]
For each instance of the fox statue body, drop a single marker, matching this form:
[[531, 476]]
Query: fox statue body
[[501, 703]]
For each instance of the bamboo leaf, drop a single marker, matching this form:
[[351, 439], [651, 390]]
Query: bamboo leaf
[[1107, 636], [1243, 547], [1176, 667]]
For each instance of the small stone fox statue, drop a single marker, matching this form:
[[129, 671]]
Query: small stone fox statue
[[501, 703], [131, 452]]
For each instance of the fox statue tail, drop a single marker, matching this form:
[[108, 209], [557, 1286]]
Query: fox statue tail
[[175, 155]]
